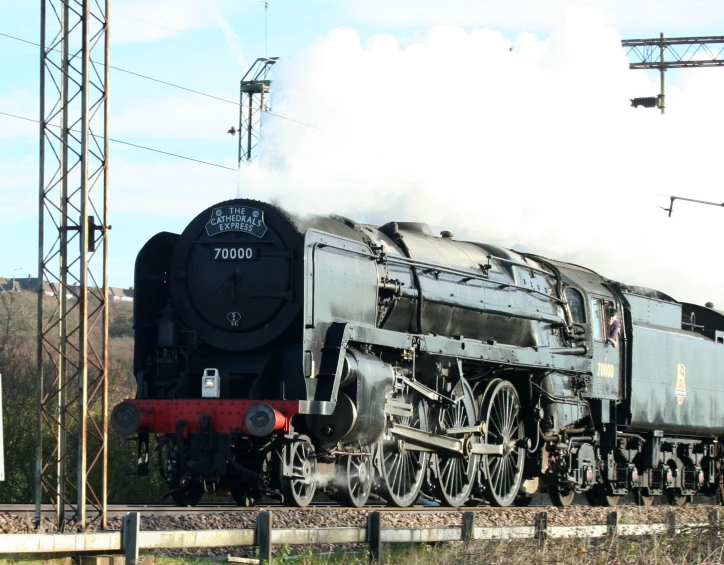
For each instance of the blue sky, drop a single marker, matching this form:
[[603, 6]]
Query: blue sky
[[219, 40], [143, 112]]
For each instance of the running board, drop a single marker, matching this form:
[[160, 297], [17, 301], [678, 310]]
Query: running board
[[418, 440]]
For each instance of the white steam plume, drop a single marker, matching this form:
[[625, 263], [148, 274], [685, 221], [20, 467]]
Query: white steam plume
[[528, 144]]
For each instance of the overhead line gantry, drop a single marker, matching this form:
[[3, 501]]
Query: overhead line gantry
[[663, 53]]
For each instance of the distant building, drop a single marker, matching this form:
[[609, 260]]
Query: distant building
[[31, 284], [120, 294]]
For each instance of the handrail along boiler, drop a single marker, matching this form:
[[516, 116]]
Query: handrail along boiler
[[280, 356]]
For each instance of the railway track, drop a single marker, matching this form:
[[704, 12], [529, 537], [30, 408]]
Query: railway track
[[115, 510]]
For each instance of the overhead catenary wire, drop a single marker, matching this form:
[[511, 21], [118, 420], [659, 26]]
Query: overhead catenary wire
[[145, 148], [173, 85], [139, 75], [20, 39]]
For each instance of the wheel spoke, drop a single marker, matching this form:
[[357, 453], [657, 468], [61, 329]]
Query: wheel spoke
[[496, 469], [396, 470], [505, 412], [506, 475], [500, 473], [510, 413], [398, 484], [509, 473], [496, 418]]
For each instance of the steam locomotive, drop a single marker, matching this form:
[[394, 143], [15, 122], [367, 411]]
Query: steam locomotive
[[279, 356]]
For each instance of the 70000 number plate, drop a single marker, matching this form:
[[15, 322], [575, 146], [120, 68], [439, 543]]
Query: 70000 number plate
[[234, 253]]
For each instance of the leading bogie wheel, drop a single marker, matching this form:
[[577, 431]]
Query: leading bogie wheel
[[502, 474], [298, 489], [455, 474], [403, 470], [354, 476]]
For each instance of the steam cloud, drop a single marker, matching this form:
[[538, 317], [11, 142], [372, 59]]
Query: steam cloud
[[529, 144]]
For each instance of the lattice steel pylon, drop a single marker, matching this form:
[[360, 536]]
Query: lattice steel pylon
[[254, 98], [72, 388], [662, 53]]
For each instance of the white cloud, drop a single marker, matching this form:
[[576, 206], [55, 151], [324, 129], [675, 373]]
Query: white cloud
[[628, 16], [167, 15], [181, 15], [529, 147]]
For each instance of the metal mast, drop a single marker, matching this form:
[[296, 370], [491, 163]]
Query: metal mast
[[254, 97], [72, 388], [673, 53]]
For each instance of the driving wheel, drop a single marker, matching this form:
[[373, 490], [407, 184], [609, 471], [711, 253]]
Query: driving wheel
[[502, 474], [455, 473], [403, 470]]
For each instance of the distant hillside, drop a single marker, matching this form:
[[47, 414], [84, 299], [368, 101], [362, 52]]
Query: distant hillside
[[18, 367], [31, 284]]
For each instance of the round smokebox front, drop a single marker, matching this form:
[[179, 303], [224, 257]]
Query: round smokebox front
[[234, 276]]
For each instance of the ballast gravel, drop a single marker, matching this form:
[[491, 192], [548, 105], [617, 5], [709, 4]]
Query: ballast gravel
[[333, 517]]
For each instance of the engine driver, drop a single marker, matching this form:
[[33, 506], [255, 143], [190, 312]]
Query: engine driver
[[614, 327]]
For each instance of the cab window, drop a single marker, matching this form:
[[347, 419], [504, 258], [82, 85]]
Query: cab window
[[596, 319], [575, 305]]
